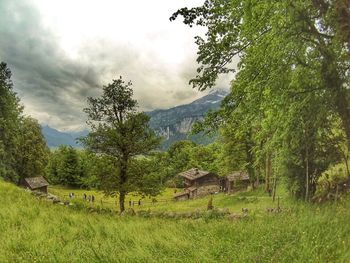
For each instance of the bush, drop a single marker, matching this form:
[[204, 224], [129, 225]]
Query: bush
[[333, 177]]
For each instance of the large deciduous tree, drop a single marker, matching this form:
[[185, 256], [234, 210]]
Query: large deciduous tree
[[293, 77], [312, 34], [121, 132]]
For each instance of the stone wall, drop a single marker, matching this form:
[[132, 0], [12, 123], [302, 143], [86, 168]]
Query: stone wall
[[208, 189]]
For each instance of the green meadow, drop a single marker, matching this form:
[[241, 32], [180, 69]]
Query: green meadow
[[35, 230], [254, 201]]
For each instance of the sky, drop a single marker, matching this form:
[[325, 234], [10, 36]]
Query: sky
[[62, 51]]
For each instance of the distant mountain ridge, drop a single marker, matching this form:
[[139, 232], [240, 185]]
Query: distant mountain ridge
[[176, 123], [55, 138], [172, 124]]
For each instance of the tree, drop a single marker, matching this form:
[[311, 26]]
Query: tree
[[294, 68], [69, 170], [10, 118], [313, 35], [65, 167], [23, 150], [119, 131], [33, 153]]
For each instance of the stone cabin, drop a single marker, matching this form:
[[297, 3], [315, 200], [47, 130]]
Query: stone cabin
[[198, 183], [236, 181], [35, 183]]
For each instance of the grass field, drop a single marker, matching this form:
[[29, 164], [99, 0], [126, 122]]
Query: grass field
[[111, 202], [34, 230], [253, 201]]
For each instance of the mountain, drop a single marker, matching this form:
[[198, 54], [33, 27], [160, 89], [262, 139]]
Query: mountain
[[176, 123], [172, 124], [55, 138]]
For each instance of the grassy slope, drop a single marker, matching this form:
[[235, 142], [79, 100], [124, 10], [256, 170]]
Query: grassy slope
[[255, 201], [37, 231]]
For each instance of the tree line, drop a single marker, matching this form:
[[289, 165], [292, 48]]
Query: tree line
[[23, 149], [288, 112], [287, 116]]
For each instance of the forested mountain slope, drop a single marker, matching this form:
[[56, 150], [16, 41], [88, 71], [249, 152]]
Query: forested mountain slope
[[172, 124]]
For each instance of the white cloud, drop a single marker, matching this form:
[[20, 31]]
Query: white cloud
[[61, 51]]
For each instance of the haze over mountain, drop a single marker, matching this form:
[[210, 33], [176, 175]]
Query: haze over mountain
[[55, 138], [172, 124]]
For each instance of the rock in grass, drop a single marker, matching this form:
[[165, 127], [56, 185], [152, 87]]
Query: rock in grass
[[235, 216]]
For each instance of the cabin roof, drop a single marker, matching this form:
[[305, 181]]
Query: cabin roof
[[238, 175], [36, 182], [194, 174]]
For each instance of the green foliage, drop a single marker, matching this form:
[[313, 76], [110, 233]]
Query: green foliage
[[94, 168], [78, 168], [291, 90], [10, 116], [337, 176], [184, 155], [64, 167], [119, 132], [23, 150], [145, 176], [33, 151]]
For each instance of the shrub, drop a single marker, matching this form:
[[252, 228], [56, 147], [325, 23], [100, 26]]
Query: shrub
[[333, 177]]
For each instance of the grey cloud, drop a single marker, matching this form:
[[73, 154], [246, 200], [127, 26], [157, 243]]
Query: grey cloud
[[42, 74], [54, 87]]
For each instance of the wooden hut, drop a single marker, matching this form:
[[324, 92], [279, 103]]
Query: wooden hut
[[199, 183], [35, 183], [236, 181]]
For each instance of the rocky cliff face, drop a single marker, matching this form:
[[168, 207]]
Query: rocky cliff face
[[176, 123]]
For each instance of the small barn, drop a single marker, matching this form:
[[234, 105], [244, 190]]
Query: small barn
[[198, 183], [237, 181], [35, 183]]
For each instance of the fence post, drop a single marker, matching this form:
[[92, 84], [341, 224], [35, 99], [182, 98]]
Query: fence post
[[336, 194]]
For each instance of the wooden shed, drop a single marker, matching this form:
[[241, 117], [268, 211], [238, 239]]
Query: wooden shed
[[35, 183], [237, 181], [199, 183], [195, 178]]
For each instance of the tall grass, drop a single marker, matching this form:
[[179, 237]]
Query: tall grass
[[33, 230]]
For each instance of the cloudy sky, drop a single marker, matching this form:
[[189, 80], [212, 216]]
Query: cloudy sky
[[62, 51]]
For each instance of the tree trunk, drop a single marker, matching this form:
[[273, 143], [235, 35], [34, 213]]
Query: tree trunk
[[123, 180], [346, 160], [250, 167], [122, 201], [250, 158], [340, 94], [307, 176], [268, 173], [343, 109], [343, 13]]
